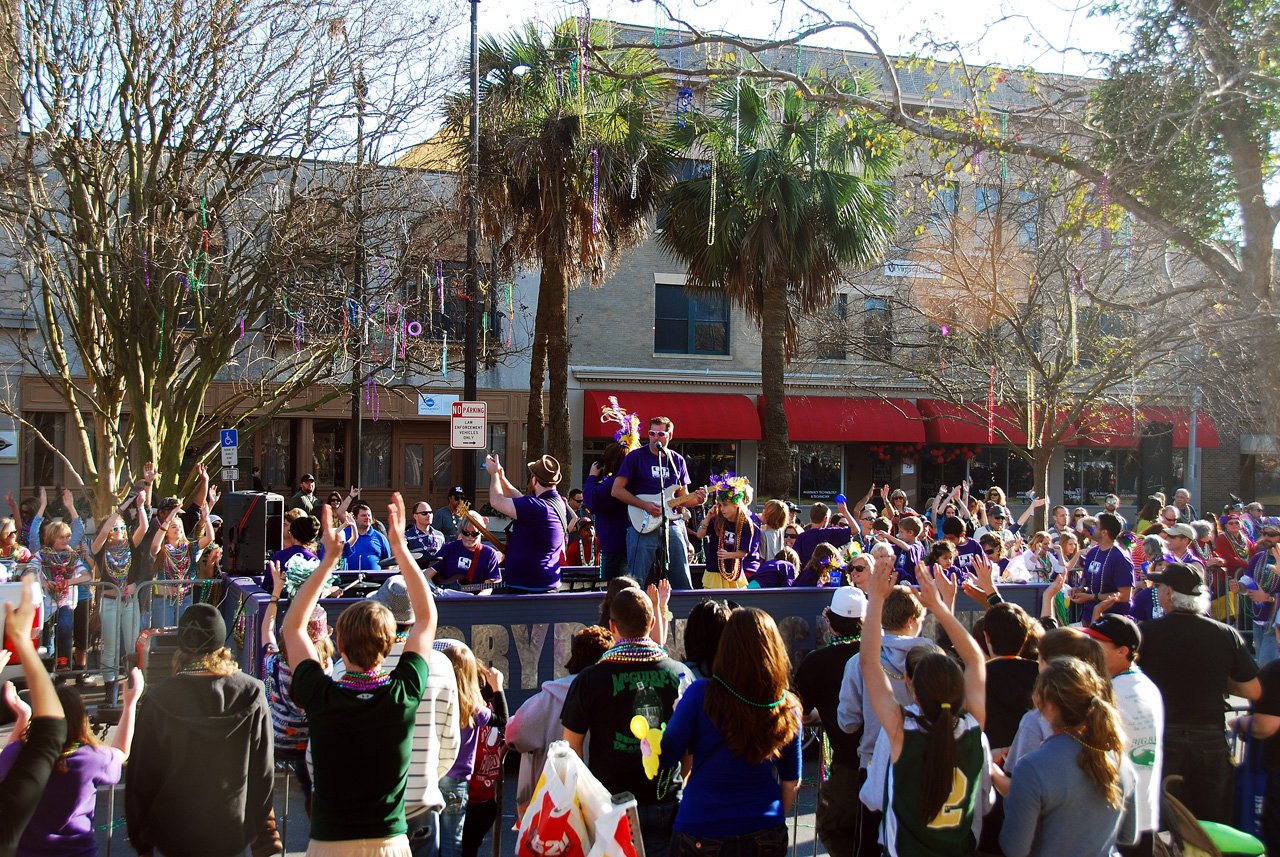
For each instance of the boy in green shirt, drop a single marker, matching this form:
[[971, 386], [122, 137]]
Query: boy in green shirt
[[361, 723]]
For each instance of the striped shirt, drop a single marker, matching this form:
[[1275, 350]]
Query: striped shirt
[[436, 736]]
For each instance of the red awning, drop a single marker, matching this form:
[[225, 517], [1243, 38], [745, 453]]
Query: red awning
[[705, 416], [843, 420], [1114, 426], [949, 423]]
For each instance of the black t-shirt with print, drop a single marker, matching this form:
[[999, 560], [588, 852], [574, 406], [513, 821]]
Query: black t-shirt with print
[[603, 701], [818, 681]]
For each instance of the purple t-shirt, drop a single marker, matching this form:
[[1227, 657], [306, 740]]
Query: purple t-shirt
[[773, 574], [647, 473], [537, 540], [810, 539], [457, 558], [468, 739], [1106, 571], [905, 561], [963, 568], [750, 544], [283, 557], [63, 823]]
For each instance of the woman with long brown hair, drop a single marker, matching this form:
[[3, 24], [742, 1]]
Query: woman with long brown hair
[[1075, 794], [741, 731]]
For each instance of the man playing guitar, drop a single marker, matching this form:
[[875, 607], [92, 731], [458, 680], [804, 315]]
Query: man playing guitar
[[655, 470]]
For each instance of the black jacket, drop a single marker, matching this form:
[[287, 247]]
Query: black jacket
[[199, 779]]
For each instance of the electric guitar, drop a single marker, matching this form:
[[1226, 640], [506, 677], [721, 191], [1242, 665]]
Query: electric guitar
[[646, 523]]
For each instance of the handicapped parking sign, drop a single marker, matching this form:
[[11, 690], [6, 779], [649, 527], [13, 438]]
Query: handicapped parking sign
[[230, 445]]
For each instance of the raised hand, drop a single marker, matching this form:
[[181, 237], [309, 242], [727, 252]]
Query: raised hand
[[880, 582], [928, 587], [15, 703], [329, 537], [214, 495], [946, 587], [134, 687], [277, 579], [149, 472], [395, 518], [664, 593], [492, 465], [43, 497]]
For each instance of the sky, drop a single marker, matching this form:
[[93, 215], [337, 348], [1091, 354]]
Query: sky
[[1049, 36]]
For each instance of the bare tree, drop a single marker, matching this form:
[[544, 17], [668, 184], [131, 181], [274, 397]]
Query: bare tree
[[192, 193]]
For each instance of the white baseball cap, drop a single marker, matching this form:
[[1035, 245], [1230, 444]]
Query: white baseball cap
[[849, 602]]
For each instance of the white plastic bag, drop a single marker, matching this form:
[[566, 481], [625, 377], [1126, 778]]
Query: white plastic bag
[[613, 833], [566, 805]]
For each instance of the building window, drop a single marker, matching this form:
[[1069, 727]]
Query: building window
[[877, 327], [1089, 475], [498, 447], [375, 454], [40, 466], [689, 323], [329, 452], [276, 439], [817, 471], [413, 465], [706, 460], [592, 451], [833, 346], [998, 467]]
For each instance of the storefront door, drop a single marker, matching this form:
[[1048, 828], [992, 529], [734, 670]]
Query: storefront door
[[427, 466]]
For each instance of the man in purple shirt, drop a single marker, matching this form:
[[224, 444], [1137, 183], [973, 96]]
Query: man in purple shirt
[[539, 525], [1107, 586], [650, 470]]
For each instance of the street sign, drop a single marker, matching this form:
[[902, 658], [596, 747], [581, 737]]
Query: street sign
[[467, 425], [230, 447], [230, 474]]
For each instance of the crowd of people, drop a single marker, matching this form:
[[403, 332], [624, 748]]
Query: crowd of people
[[1046, 734]]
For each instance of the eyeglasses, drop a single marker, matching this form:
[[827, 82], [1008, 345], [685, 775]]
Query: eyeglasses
[[989, 551], [118, 528], [466, 534], [862, 568], [997, 517], [423, 512], [868, 520], [1078, 515], [790, 537], [658, 433], [1169, 520], [1233, 523]]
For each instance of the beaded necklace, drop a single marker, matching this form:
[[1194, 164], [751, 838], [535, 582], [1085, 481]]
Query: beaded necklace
[[634, 652], [177, 561], [1238, 545], [736, 564], [364, 680], [725, 685], [889, 672], [57, 565], [1081, 742], [588, 556], [117, 562], [1202, 550], [848, 638], [75, 745], [200, 666]]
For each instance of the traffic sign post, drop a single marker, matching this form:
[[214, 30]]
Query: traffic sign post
[[468, 425], [230, 440]]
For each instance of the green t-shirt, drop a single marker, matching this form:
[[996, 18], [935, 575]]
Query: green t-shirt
[[360, 743]]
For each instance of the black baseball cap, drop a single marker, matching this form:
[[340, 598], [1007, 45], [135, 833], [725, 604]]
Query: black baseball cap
[[456, 491], [307, 477], [168, 503], [1117, 630], [1180, 577]]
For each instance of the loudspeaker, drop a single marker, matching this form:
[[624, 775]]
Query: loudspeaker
[[156, 648], [252, 530]]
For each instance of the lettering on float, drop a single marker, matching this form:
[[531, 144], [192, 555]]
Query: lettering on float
[[492, 645]]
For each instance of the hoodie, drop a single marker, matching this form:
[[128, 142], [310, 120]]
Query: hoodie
[[199, 779], [855, 710], [533, 727]]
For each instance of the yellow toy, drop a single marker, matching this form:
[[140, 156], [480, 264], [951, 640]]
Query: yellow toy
[[650, 744]]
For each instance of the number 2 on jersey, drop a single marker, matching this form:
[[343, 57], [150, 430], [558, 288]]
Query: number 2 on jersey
[[952, 812]]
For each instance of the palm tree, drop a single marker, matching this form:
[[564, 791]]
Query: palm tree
[[800, 195], [571, 167]]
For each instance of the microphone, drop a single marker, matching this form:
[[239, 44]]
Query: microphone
[[662, 447]]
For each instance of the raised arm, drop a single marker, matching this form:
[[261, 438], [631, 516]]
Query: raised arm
[[423, 632], [157, 541], [308, 595], [100, 537], [878, 689], [205, 527], [42, 499], [17, 627], [124, 730], [142, 500], [1035, 504], [938, 595], [498, 498], [346, 501], [200, 494], [267, 637]]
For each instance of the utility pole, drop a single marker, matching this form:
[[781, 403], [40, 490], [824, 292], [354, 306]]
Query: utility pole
[[473, 309], [357, 369]]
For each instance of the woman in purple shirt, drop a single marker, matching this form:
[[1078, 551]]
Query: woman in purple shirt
[[63, 823]]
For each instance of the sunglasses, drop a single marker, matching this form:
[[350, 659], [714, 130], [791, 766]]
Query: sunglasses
[[868, 520], [423, 512], [1169, 520], [789, 536], [658, 434], [1078, 515], [466, 534], [997, 517], [989, 551], [862, 568]]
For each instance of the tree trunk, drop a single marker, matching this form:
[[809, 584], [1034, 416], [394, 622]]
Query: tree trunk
[[556, 290], [777, 479], [538, 370], [1040, 460]]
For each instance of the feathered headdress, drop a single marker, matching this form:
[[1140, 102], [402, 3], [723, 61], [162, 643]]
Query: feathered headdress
[[728, 488], [628, 433]]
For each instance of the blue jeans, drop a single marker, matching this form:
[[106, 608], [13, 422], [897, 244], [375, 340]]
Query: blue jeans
[[167, 605], [453, 816], [656, 823], [770, 842], [424, 833], [1264, 643], [643, 547], [612, 565], [119, 631], [64, 624]]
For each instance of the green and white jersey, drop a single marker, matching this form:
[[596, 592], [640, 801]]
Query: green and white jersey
[[953, 832]]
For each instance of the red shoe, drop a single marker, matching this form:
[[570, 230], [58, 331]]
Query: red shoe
[[63, 665]]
